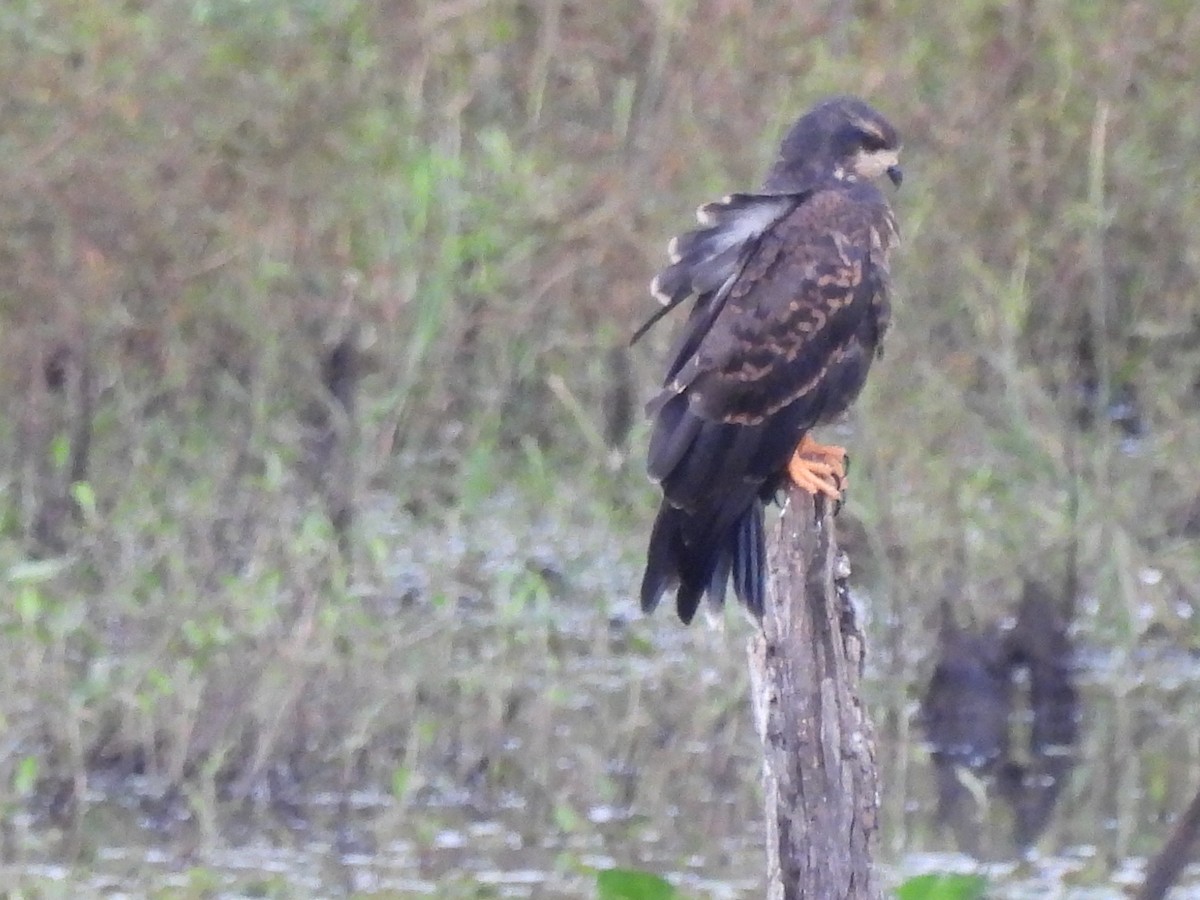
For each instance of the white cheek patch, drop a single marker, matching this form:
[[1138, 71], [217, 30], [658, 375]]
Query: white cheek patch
[[872, 164]]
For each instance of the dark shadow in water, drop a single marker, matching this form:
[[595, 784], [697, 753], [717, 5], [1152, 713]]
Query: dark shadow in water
[[1001, 715]]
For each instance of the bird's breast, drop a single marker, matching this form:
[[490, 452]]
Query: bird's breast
[[845, 377]]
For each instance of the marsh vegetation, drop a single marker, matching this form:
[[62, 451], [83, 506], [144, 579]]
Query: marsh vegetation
[[321, 487]]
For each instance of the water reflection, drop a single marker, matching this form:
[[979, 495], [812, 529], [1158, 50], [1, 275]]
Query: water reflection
[[1001, 714], [559, 736]]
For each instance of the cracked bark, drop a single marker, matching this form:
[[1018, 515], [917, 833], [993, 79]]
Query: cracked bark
[[819, 772]]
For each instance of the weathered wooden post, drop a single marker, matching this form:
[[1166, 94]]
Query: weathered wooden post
[[819, 772]]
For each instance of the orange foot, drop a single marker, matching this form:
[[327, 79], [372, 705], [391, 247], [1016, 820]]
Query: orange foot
[[818, 468]]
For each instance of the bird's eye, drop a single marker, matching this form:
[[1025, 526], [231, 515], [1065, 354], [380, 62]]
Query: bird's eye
[[872, 143]]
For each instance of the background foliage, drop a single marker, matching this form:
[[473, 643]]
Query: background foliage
[[312, 314]]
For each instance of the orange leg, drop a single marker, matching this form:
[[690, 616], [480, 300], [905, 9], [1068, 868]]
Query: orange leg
[[818, 468]]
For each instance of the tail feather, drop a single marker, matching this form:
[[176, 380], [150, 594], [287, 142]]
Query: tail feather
[[719, 580], [750, 561], [662, 567], [686, 556]]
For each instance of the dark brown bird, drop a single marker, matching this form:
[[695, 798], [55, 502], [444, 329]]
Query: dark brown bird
[[791, 305]]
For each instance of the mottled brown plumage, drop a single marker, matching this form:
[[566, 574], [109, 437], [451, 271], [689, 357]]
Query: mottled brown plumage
[[790, 289]]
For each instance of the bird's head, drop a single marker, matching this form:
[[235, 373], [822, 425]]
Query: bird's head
[[841, 138]]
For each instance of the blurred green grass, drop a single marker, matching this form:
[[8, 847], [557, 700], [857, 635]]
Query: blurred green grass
[[202, 204]]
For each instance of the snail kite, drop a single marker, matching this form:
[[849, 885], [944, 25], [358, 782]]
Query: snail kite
[[791, 305]]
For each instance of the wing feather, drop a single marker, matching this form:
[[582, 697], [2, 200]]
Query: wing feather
[[705, 262], [792, 312]]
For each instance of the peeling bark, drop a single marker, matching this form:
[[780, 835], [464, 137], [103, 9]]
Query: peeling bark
[[819, 771]]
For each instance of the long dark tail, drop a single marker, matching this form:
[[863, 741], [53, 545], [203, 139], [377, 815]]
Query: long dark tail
[[692, 557]]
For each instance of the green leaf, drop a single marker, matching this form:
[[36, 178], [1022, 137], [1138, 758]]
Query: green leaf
[[400, 779], [567, 820], [632, 884], [85, 499], [37, 571], [937, 886], [60, 450], [25, 777], [29, 604]]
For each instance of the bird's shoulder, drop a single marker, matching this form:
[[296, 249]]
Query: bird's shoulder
[[854, 219], [822, 256], [799, 297]]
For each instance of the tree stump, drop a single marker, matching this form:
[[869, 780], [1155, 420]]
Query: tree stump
[[819, 773]]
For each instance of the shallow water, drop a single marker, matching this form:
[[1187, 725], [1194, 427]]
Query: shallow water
[[569, 734]]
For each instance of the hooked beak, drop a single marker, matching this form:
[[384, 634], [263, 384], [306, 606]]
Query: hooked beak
[[896, 175]]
